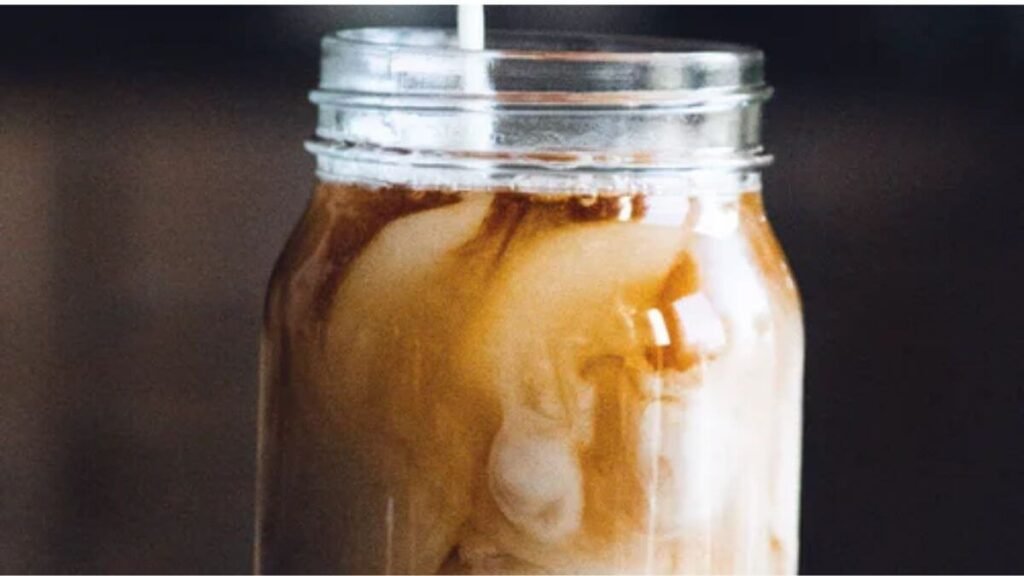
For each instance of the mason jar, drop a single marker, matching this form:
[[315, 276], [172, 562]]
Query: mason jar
[[534, 318]]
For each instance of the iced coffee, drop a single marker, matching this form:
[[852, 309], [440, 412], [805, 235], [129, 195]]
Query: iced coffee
[[507, 378]]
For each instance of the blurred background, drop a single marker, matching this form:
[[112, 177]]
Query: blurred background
[[151, 166]]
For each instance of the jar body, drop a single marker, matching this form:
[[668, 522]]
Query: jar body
[[494, 381]]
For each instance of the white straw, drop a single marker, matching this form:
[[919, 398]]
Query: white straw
[[476, 128], [471, 26]]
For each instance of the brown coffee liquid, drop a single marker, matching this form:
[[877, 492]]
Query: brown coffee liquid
[[500, 382]]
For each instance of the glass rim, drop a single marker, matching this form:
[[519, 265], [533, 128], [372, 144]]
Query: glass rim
[[566, 104], [533, 67], [612, 45]]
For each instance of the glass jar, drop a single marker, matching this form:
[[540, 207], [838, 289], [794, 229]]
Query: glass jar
[[534, 318]]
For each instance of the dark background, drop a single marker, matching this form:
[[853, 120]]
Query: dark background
[[151, 165]]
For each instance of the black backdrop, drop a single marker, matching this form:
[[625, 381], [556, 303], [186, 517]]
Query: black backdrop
[[151, 166]]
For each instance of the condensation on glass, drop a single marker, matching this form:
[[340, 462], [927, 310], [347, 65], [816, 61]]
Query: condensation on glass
[[534, 319]]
